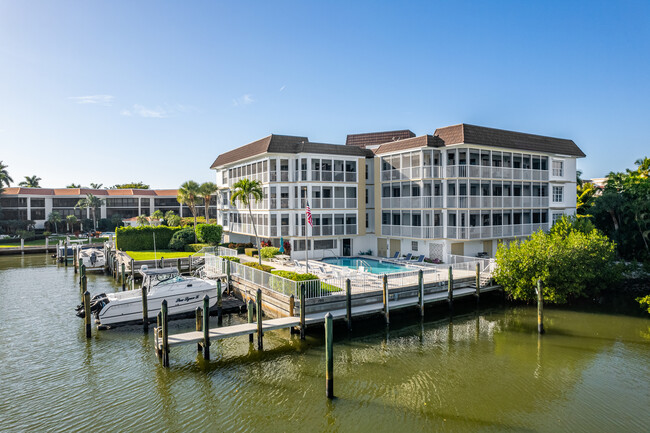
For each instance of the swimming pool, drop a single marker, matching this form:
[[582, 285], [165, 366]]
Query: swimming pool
[[370, 265]]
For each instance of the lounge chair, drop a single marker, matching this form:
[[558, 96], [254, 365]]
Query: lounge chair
[[420, 259], [297, 264], [405, 259], [395, 256]]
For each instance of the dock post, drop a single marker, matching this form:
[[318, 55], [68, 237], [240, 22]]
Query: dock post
[[82, 273], [385, 292], [302, 311], [348, 303], [84, 287], [47, 245], [159, 333], [219, 304], [450, 291], [540, 308], [165, 333], [199, 322], [206, 327], [75, 257], [478, 281], [329, 358], [145, 311], [66, 253], [178, 265], [123, 279], [87, 312], [249, 311], [421, 291], [132, 270], [292, 307], [260, 334], [22, 244]]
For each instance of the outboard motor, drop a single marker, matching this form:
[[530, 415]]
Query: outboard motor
[[97, 302]]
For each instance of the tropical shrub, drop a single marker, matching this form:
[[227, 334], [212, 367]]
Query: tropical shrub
[[195, 247], [287, 247], [569, 262], [230, 258], [142, 238], [209, 233], [269, 252], [181, 238], [644, 302], [265, 268]]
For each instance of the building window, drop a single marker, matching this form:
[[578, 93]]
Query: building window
[[557, 216], [414, 245], [558, 168], [558, 194]]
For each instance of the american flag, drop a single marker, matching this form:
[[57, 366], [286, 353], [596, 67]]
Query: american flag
[[308, 210]]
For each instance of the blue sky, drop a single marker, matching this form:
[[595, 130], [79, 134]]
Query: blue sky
[[119, 91]]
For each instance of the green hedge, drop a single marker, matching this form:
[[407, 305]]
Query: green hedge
[[265, 268], [295, 276], [141, 238], [209, 233], [269, 252], [195, 247], [230, 258], [182, 239]]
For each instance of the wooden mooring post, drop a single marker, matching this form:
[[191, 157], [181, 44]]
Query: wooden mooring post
[[178, 265], [84, 287], [219, 304], [450, 291], [132, 269], [329, 356], [249, 310], [145, 311], [206, 327], [65, 252], [348, 303], [86, 297], [199, 324], [302, 311], [159, 332], [478, 281], [123, 276], [292, 307], [260, 334], [165, 333], [75, 257], [540, 308], [421, 292], [385, 299], [82, 272]]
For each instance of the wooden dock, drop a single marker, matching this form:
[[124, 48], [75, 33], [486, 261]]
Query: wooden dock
[[220, 333]]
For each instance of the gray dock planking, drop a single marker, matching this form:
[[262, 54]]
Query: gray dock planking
[[314, 318]]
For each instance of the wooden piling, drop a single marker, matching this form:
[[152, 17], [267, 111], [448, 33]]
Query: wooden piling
[[165, 333], [123, 279], [190, 264], [199, 324], [87, 313], [75, 257], [302, 311], [540, 308], [84, 287], [133, 269], [145, 311], [329, 356], [348, 303], [159, 332], [228, 277], [65, 252], [249, 311], [219, 304], [260, 334], [478, 282], [178, 264], [421, 292], [292, 306], [450, 290], [206, 327], [385, 298]]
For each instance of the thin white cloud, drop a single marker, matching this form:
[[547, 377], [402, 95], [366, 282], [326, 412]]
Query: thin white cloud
[[93, 99], [282, 88], [158, 112], [243, 100]]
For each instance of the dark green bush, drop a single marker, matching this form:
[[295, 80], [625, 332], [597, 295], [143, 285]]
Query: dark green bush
[[265, 268], [209, 233], [181, 238], [232, 259], [141, 238]]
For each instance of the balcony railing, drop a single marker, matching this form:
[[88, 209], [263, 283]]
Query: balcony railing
[[487, 172], [413, 231], [496, 231]]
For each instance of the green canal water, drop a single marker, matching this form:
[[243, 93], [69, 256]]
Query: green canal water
[[486, 371]]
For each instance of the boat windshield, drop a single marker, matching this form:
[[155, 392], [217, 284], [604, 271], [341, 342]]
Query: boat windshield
[[165, 278]]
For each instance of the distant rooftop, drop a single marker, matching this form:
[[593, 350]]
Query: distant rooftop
[[375, 138], [85, 191]]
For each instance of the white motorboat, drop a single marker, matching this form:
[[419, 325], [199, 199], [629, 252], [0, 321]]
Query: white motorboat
[[92, 258], [183, 295]]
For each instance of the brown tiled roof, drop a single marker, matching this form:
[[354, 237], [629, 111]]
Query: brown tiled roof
[[30, 191], [284, 144], [409, 143], [374, 138], [84, 191], [472, 134]]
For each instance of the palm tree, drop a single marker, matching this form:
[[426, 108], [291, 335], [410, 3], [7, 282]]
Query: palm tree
[[157, 216], [171, 217], [207, 191], [54, 218], [96, 185], [244, 191], [73, 185], [644, 166], [93, 203], [72, 220], [142, 220], [31, 182], [586, 192], [188, 194], [5, 179]]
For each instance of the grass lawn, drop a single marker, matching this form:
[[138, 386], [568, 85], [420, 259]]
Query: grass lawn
[[53, 242], [149, 255]]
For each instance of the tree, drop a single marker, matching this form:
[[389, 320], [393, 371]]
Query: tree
[[172, 219], [54, 218], [244, 191], [188, 194], [208, 189], [570, 260], [132, 185], [71, 220], [93, 203], [142, 220], [5, 179], [73, 185], [586, 192], [31, 182], [157, 216], [96, 185]]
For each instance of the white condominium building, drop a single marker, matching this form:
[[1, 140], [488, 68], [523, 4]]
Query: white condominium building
[[458, 191]]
